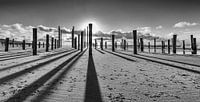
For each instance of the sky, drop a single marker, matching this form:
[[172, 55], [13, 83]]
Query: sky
[[161, 18]]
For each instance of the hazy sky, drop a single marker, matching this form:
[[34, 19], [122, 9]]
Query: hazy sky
[[155, 16]]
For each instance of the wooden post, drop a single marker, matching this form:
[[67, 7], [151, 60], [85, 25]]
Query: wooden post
[[29, 44], [13, 43], [6, 44], [106, 45], [73, 37], [90, 39], [168, 46], [43, 44], [55, 44], [142, 44], [82, 41], [101, 43], [149, 46], [135, 41], [52, 39], [23, 45], [174, 43], [47, 43], [34, 41], [154, 45], [95, 44], [75, 42], [183, 46], [194, 46], [39, 44], [124, 44], [59, 35], [78, 42], [113, 43], [192, 42]]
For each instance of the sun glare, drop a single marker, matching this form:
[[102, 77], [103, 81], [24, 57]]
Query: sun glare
[[95, 26]]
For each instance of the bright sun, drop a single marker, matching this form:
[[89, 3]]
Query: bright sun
[[95, 26]]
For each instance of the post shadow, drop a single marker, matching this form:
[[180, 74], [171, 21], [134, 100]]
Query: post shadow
[[92, 91]]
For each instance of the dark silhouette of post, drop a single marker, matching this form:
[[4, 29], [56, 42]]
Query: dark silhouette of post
[[75, 43], [135, 41], [34, 41], [82, 41], [194, 46], [174, 43], [23, 45], [154, 45], [149, 46], [6, 44], [106, 45], [13, 43], [183, 46], [101, 43], [52, 39], [43, 44], [113, 43], [59, 35], [39, 44], [47, 43], [90, 39], [73, 37], [124, 44], [168, 46], [55, 44], [78, 42], [163, 47], [87, 36], [142, 44], [95, 43], [192, 42]]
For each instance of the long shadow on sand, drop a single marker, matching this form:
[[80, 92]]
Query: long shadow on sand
[[100, 51], [27, 91], [43, 57], [120, 56], [92, 92], [160, 62], [17, 74]]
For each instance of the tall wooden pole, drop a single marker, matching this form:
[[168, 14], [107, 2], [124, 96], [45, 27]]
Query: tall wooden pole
[[192, 42], [194, 46], [149, 46], [82, 41], [47, 43], [154, 45], [59, 35], [34, 41], [174, 43], [73, 37], [101, 43], [142, 44], [183, 46], [168, 46], [52, 39], [78, 42], [106, 45], [6, 44], [113, 43], [55, 45], [135, 41], [23, 45], [90, 39]]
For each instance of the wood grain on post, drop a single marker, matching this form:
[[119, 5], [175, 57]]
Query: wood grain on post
[[6, 44], [168, 46], [82, 41], [52, 39], [135, 41], [73, 37], [34, 41], [113, 43], [90, 39], [23, 45], [47, 43], [183, 46], [174, 43]]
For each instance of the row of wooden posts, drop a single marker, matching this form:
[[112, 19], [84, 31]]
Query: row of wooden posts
[[124, 44]]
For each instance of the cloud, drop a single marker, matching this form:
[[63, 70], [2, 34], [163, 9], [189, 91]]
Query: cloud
[[184, 24], [159, 27], [46, 29], [144, 30]]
